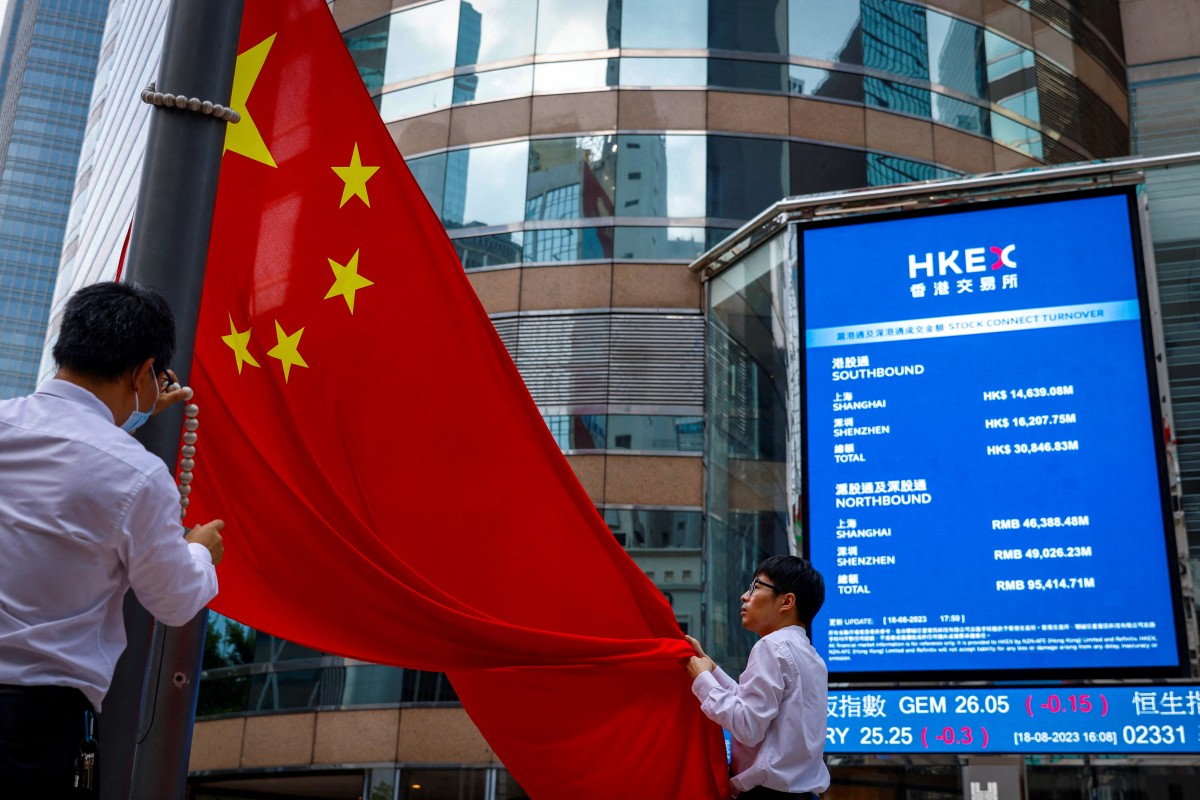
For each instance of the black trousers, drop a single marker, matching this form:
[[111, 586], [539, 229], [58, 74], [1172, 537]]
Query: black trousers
[[763, 793], [41, 728]]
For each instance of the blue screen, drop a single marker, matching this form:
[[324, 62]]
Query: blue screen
[[982, 483]]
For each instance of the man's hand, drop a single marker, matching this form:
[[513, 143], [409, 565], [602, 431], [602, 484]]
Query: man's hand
[[699, 662], [169, 398], [209, 535]]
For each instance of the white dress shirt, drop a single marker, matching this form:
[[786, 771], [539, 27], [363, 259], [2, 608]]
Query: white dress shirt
[[776, 714], [85, 513]]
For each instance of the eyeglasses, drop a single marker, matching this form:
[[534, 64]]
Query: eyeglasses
[[754, 584]]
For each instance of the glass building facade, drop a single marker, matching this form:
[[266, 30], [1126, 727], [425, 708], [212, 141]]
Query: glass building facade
[[49, 63]]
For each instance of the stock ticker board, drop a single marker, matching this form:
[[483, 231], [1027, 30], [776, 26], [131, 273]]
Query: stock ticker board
[[1121, 720], [984, 472]]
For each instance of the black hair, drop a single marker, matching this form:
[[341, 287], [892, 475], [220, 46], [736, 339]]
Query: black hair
[[796, 575], [109, 328]]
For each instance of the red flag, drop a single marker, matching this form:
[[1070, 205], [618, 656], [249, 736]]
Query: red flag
[[391, 492]]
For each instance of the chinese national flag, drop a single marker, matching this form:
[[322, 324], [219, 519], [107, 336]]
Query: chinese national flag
[[390, 490]]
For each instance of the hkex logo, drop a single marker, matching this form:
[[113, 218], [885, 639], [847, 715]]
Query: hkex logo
[[974, 259]]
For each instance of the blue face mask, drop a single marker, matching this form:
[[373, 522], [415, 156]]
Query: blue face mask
[[138, 418]]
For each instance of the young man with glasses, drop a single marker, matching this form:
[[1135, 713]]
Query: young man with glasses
[[776, 713]]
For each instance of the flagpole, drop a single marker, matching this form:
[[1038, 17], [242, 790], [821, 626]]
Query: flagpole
[[145, 729]]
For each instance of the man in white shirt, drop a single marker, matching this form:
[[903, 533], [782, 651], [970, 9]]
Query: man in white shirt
[[86, 512], [776, 713]]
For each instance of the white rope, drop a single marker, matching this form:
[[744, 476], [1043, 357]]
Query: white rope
[[165, 100], [188, 463]]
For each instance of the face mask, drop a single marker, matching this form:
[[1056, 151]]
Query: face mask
[[138, 418]]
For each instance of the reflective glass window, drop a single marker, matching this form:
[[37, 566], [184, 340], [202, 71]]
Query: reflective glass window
[[1024, 103], [826, 31], [819, 168], [493, 30], [548, 245], [664, 72], [956, 55], [885, 170], [825, 83], [571, 178], [894, 38], [959, 114], [476, 252], [660, 176], [1005, 57], [638, 528], [1012, 78], [654, 432], [421, 41], [430, 172], [368, 47], [1017, 136], [895, 96], [751, 26], [565, 76], [579, 431], [676, 24], [485, 185], [746, 175], [578, 26], [725, 73], [497, 84], [416, 100], [673, 243]]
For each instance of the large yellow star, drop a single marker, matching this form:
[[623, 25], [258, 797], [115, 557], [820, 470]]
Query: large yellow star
[[347, 281], [243, 137], [238, 342], [355, 177], [287, 351]]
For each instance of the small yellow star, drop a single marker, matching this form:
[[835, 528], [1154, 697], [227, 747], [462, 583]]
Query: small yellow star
[[287, 351], [355, 176], [238, 342], [347, 281], [243, 137]]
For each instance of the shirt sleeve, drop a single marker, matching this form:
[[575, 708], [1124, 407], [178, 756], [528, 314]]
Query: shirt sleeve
[[745, 709], [171, 578]]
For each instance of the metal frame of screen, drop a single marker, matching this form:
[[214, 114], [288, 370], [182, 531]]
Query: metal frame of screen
[[1154, 409]]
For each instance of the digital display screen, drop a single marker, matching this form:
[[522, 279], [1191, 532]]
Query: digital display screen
[[1081, 719], [983, 479]]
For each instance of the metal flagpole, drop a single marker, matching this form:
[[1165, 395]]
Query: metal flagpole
[[145, 730]]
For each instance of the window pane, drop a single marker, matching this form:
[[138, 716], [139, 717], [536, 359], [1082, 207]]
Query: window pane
[[638, 528], [574, 26], [961, 115], [416, 100], [579, 431], [956, 56], [476, 252], [493, 30], [368, 47], [571, 178], [894, 38], [430, 172], [443, 784], [568, 244], [495, 85], [898, 97], [659, 243], [747, 175], [1017, 136], [824, 30], [485, 185], [885, 170], [575, 75], [660, 176], [421, 41], [664, 72], [646, 432], [818, 168], [729, 74], [825, 83], [680, 24], [752, 26]]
